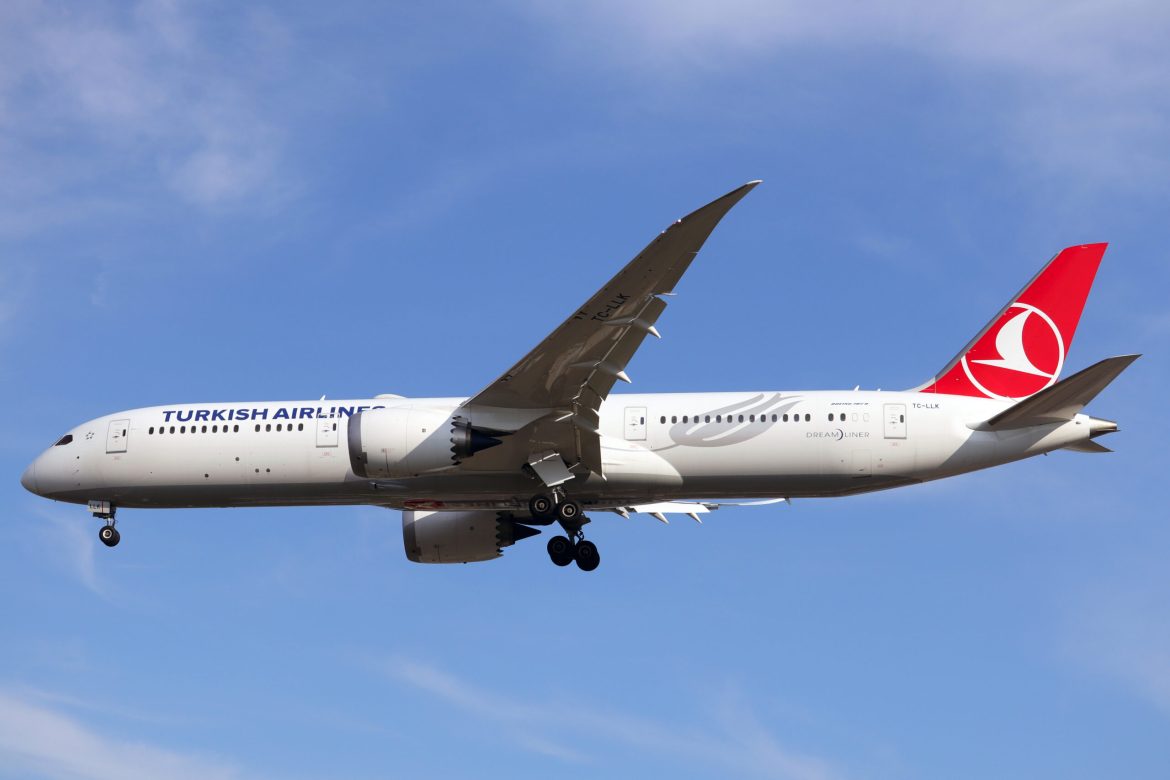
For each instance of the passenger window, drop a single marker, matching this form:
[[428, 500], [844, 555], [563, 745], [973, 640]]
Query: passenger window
[[663, 419], [741, 418], [785, 417], [673, 419], [773, 418], [151, 429], [807, 417], [718, 418], [830, 417], [278, 426], [183, 429], [64, 440], [204, 429], [751, 418], [268, 427], [334, 426], [257, 427], [707, 418], [901, 418], [172, 429], [300, 426], [684, 418], [235, 429]]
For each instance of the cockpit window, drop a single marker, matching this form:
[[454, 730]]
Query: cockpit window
[[64, 440]]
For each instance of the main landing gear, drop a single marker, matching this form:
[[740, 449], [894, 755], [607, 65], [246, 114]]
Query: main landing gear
[[564, 550], [556, 507], [104, 510]]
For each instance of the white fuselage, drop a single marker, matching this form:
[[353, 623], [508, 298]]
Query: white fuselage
[[654, 447]]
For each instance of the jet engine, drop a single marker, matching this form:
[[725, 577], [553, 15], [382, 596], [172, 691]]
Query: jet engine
[[404, 441], [463, 536]]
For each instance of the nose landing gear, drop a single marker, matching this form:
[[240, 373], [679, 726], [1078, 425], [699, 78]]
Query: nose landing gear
[[104, 510], [109, 535]]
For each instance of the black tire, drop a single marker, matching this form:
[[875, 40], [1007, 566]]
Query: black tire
[[568, 511], [109, 536], [541, 507], [586, 556], [561, 551]]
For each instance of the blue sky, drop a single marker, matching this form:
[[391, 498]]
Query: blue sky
[[225, 202]]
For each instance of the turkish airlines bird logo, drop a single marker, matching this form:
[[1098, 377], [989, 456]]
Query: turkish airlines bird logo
[[1021, 355]]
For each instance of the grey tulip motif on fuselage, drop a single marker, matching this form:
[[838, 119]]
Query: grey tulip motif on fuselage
[[730, 424]]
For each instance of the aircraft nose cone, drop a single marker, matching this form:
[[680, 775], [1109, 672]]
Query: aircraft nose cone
[[29, 478]]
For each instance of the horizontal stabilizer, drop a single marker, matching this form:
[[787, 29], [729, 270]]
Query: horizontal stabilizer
[[1088, 446], [1064, 400]]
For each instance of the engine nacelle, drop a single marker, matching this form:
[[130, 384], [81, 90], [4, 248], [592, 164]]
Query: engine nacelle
[[399, 442], [462, 536], [402, 441]]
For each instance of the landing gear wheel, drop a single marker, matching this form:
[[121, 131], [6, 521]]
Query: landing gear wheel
[[568, 511], [560, 549], [586, 556], [541, 507], [109, 535]]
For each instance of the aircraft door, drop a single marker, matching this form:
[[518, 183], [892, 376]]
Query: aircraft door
[[635, 427], [895, 415], [327, 432], [116, 436]]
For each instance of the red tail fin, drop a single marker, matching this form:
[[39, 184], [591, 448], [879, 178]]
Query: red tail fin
[[1022, 350]]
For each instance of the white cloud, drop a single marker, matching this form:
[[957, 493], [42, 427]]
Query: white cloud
[[1081, 85], [738, 743], [39, 741], [69, 538], [131, 100]]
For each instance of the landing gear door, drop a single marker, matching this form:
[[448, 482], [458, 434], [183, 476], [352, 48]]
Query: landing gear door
[[635, 428], [116, 437], [895, 415], [327, 432]]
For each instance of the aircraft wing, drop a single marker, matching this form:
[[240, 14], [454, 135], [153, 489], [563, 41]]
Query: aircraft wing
[[574, 368]]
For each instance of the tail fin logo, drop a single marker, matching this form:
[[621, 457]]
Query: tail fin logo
[[1024, 355]]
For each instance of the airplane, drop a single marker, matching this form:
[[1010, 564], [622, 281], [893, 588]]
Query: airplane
[[548, 440]]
